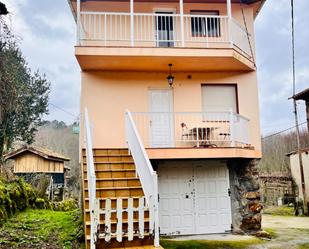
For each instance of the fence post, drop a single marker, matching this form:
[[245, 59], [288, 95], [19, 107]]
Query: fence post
[[156, 211], [232, 128]]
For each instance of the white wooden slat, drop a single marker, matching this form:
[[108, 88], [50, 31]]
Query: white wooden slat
[[119, 220], [141, 219], [151, 214], [130, 219], [108, 207]]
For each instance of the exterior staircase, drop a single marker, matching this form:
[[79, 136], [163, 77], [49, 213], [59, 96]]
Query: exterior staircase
[[115, 178]]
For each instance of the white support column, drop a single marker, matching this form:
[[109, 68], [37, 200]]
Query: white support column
[[156, 211], [229, 20], [181, 23], [78, 22], [232, 128], [132, 22]]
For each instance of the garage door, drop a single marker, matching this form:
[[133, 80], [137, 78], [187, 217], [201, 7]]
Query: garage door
[[194, 198]]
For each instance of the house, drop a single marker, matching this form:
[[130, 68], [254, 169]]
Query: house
[[32, 160], [170, 135], [296, 171], [304, 95]]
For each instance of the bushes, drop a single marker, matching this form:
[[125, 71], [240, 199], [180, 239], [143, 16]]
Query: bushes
[[15, 196], [66, 205]]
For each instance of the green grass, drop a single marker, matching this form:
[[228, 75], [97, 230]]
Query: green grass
[[304, 246], [205, 244], [38, 228], [272, 232], [281, 211]]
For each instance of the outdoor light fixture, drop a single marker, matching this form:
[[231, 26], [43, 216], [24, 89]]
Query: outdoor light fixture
[[170, 77]]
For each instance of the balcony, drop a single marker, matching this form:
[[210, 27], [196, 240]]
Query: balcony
[[150, 41], [216, 134]]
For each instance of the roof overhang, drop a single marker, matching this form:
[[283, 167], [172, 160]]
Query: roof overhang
[[38, 151]]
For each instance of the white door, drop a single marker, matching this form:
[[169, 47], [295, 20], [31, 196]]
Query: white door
[[194, 198], [161, 118], [212, 201]]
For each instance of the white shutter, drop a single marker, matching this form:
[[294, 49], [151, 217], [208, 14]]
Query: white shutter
[[219, 98]]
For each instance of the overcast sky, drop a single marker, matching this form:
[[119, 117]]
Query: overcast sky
[[48, 35]]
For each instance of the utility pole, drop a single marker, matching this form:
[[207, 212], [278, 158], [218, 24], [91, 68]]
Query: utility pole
[[305, 205]]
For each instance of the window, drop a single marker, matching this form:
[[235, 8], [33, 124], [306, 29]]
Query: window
[[219, 98], [205, 26]]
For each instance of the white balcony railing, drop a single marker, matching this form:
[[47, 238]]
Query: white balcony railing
[[162, 30], [188, 129]]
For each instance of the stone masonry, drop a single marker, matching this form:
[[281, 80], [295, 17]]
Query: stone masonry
[[245, 196]]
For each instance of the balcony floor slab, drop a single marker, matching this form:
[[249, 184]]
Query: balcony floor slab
[[195, 153], [157, 59]]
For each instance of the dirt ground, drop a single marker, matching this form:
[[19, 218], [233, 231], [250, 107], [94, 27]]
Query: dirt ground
[[289, 232]]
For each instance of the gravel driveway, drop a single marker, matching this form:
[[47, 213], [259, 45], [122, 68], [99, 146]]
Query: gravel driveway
[[291, 232]]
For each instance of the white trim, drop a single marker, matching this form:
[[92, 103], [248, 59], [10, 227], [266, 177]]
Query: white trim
[[154, 10]]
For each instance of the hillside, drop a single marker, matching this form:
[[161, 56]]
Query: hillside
[[59, 137], [276, 147]]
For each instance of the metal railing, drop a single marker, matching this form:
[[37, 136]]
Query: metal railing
[[147, 175], [161, 30], [192, 129], [93, 202]]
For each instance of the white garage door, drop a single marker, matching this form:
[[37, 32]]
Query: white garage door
[[194, 198]]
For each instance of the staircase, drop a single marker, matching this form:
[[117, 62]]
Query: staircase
[[115, 178]]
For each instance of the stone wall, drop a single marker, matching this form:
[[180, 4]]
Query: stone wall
[[245, 196]]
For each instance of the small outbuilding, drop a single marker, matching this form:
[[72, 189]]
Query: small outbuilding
[[295, 169], [304, 95], [31, 160]]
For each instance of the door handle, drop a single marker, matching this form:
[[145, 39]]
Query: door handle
[[187, 196]]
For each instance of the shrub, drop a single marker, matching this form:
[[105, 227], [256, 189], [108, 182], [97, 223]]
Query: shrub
[[15, 195]]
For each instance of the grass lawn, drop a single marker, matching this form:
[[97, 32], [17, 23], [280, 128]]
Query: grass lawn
[[42, 229], [208, 244], [282, 210]]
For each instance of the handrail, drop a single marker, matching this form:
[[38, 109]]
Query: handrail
[[147, 175], [91, 183], [149, 14]]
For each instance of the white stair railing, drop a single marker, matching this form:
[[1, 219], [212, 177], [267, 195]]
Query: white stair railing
[[119, 210], [147, 175], [93, 201]]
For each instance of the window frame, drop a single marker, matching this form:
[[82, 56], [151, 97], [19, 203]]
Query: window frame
[[215, 30], [235, 85]]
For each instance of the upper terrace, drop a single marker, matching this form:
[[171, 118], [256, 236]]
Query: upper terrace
[[194, 35]]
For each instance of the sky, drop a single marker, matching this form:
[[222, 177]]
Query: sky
[[47, 32]]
